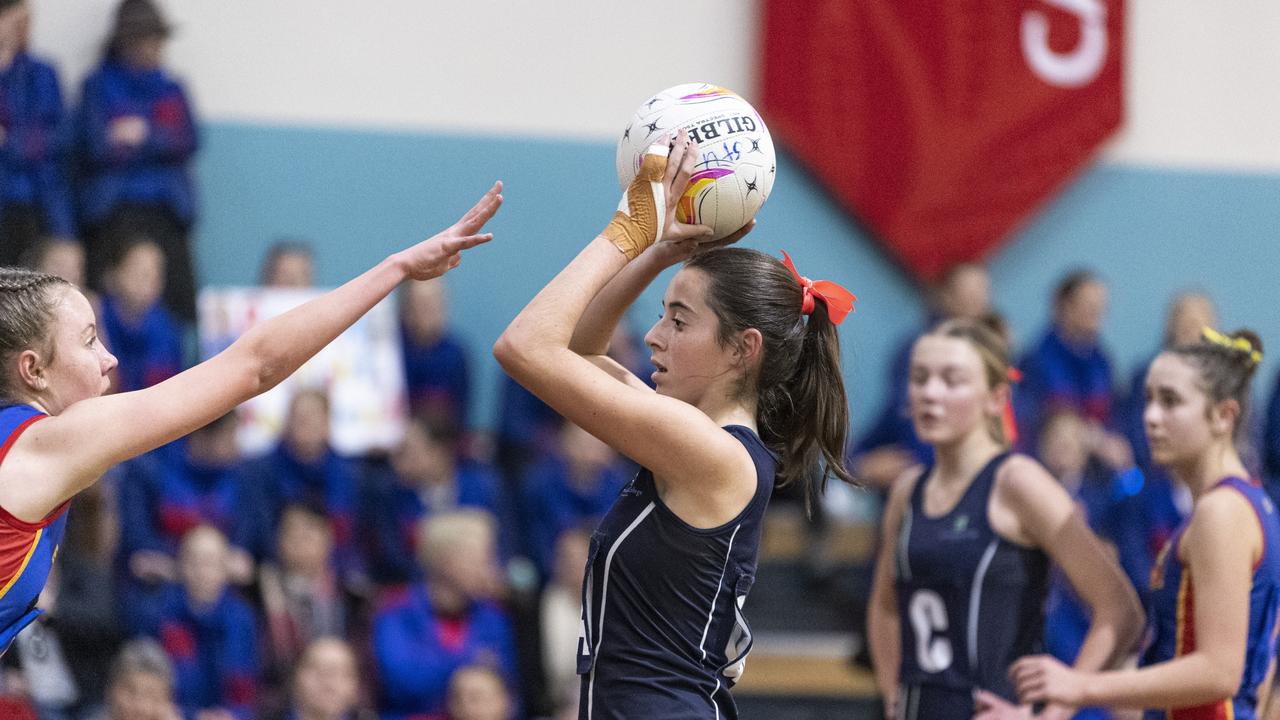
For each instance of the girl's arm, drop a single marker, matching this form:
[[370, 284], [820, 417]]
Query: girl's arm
[[1048, 515], [1222, 543], [69, 451], [675, 440], [883, 624]]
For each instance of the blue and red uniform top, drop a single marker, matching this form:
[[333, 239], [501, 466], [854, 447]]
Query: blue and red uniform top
[[27, 549], [1172, 614]]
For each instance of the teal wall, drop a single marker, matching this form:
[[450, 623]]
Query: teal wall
[[361, 195]]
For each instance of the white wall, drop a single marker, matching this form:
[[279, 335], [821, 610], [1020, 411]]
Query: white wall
[[1201, 85]]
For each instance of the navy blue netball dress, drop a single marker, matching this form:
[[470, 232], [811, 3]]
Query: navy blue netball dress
[[663, 632], [970, 603]]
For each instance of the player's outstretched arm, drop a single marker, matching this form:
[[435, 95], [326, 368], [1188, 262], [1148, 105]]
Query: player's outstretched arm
[[61, 455]]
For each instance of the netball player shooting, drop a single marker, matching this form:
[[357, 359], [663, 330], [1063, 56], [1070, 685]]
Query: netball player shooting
[[748, 392]]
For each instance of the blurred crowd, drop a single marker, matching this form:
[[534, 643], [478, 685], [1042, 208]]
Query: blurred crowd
[[440, 579]]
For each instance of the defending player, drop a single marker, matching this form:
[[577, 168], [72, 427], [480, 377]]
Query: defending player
[[58, 436], [1216, 586]]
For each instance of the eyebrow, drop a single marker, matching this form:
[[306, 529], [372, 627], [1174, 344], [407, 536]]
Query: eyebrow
[[677, 305]]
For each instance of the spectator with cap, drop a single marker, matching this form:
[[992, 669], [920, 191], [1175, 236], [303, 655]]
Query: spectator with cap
[[136, 137], [34, 199]]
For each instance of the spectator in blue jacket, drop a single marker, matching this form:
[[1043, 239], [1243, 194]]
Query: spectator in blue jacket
[[425, 476], [141, 331], [34, 199], [424, 633], [572, 487], [304, 469], [435, 361], [165, 494], [136, 137], [1068, 369], [890, 445], [209, 632]]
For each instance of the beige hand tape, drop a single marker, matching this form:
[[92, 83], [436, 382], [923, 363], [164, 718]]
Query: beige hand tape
[[641, 214]]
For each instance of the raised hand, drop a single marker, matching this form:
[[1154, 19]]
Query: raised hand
[[443, 252], [675, 180]]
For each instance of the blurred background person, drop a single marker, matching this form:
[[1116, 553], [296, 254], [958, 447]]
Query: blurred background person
[[561, 622], [288, 264], [302, 598], [144, 335], [435, 360], [326, 683], [140, 686], [425, 632], [34, 198], [209, 633], [425, 476], [136, 137], [477, 692]]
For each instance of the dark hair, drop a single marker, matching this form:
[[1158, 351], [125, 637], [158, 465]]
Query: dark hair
[[1071, 283], [992, 349], [802, 414], [26, 314], [1226, 366]]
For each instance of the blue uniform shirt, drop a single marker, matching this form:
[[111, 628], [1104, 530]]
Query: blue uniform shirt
[[663, 631], [1171, 614], [27, 549]]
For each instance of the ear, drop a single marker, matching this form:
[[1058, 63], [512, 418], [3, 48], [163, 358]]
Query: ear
[[31, 370], [1222, 417], [750, 346], [1000, 396]]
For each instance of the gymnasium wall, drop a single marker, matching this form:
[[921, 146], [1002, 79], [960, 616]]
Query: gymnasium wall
[[364, 126]]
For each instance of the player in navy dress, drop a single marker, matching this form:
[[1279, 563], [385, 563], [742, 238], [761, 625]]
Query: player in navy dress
[[58, 436], [1215, 589], [961, 576], [748, 392]]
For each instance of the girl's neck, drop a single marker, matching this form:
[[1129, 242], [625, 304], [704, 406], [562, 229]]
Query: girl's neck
[[1208, 469], [961, 460]]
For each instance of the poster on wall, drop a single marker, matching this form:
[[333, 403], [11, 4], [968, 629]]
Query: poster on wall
[[361, 371], [943, 126]]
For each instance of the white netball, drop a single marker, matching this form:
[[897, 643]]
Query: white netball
[[736, 162]]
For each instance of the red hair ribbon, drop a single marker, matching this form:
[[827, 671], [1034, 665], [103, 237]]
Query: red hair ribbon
[[1010, 423], [839, 301]]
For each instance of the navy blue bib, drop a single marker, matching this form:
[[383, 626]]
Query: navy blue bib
[[969, 602], [663, 631]]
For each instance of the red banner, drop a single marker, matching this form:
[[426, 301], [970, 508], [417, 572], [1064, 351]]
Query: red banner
[[942, 125]]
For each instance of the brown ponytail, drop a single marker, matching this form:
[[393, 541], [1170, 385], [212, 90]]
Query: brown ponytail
[[803, 414]]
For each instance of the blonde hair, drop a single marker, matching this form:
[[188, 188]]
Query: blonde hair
[[992, 350], [441, 534]]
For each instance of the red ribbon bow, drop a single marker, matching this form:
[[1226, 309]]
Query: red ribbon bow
[[839, 301]]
